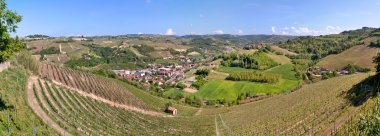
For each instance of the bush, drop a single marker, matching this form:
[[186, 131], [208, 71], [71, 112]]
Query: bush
[[202, 72], [50, 50], [351, 68], [181, 85], [254, 77]]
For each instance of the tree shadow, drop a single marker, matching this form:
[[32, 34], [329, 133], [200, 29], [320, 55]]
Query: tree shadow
[[3, 105], [363, 91]]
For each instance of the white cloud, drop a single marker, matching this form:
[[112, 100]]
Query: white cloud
[[218, 32], [170, 31], [286, 28], [192, 33], [139, 33], [285, 33], [314, 32], [240, 31], [273, 29]]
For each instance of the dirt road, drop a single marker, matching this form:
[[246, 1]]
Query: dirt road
[[32, 101]]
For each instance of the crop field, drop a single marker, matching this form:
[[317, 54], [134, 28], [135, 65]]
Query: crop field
[[360, 55], [281, 59], [307, 111], [72, 49], [81, 115], [103, 88], [283, 51]]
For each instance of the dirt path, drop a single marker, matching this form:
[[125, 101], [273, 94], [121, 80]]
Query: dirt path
[[216, 127], [198, 112], [32, 101]]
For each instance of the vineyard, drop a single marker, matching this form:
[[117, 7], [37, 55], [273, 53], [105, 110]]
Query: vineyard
[[96, 87], [308, 111], [80, 115]]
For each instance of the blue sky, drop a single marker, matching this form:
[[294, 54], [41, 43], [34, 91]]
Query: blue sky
[[181, 17]]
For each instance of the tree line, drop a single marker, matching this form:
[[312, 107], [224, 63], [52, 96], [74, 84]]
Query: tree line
[[257, 60], [254, 77]]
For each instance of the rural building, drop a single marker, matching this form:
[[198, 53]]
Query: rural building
[[171, 110]]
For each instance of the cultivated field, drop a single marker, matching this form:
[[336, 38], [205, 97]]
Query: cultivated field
[[359, 55], [283, 51], [80, 115], [218, 88], [97, 87], [308, 111]]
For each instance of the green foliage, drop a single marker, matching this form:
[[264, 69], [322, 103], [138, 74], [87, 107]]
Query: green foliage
[[376, 60], [375, 44], [15, 114], [258, 61], [50, 50], [315, 48], [199, 83], [181, 86], [351, 68], [25, 59], [254, 77], [75, 63], [144, 49], [202, 72]]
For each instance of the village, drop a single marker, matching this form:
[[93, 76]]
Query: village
[[159, 74]]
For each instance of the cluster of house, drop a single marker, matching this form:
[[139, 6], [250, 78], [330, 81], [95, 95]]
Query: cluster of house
[[318, 71], [156, 73]]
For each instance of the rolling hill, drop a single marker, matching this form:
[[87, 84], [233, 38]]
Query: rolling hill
[[360, 55]]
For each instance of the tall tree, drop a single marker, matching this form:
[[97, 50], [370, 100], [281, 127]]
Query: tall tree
[[8, 25]]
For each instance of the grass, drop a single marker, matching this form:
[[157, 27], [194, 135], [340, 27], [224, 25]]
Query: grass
[[229, 90], [281, 59], [283, 51], [359, 55], [13, 104], [286, 71]]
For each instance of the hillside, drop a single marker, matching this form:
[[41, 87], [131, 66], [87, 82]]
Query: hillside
[[360, 55]]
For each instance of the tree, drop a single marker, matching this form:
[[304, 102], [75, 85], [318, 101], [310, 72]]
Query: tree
[[376, 60], [8, 21]]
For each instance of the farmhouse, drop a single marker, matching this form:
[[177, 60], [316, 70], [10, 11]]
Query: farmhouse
[[171, 110]]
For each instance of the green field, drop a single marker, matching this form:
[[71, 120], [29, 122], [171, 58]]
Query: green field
[[286, 71], [229, 90], [218, 88]]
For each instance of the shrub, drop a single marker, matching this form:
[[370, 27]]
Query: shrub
[[254, 77], [202, 72]]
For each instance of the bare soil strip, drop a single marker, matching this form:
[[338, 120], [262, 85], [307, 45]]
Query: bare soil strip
[[32, 101]]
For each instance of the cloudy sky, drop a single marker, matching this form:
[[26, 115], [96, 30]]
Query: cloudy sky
[[182, 17]]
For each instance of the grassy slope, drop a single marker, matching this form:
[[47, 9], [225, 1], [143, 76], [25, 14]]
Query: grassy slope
[[283, 51], [22, 118], [217, 88], [360, 55]]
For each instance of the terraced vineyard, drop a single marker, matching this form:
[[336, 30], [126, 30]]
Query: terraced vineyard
[[96, 87], [310, 110], [81, 115]]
